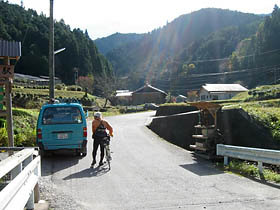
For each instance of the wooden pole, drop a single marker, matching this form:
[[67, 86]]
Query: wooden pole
[[51, 52], [9, 114], [9, 117]]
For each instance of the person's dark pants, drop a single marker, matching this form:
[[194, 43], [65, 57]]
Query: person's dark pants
[[96, 143]]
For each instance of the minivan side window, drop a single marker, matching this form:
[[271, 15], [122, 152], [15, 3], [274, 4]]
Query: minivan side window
[[62, 115]]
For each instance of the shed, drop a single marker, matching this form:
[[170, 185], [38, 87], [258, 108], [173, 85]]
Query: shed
[[148, 94], [10, 49], [123, 97], [220, 91], [10, 52], [181, 98]]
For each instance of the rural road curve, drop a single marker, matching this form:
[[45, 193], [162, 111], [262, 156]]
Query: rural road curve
[[148, 173]]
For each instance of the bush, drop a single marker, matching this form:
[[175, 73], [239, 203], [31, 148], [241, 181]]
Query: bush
[[26, 138], [74, 88], [60, 86], [3, 137]]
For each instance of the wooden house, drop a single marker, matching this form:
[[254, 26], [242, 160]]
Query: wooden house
[[210, 92], [148, 94]]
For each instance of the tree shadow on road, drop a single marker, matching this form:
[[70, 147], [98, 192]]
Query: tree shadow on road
[[88, 172]]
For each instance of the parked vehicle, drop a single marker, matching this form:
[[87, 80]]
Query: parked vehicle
[[62, 126], [150, 106]]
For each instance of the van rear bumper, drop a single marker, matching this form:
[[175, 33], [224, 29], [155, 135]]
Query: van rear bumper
[[54, 146]]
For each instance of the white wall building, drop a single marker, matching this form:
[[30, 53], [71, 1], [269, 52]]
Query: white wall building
[[210, 92]]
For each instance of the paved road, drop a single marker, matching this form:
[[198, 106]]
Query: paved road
[[149, 173]]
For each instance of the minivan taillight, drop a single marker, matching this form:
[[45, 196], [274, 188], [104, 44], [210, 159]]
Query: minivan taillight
[[39, 133], [85, 132]]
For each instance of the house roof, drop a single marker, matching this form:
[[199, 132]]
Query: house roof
[[148, 88], [224, 88], [28, 77], [123, 93], [10, 49], [181, 96]]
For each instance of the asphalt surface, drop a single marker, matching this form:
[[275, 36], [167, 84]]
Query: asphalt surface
[[148, 173]]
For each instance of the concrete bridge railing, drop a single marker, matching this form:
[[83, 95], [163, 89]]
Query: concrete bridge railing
[[19, 175]]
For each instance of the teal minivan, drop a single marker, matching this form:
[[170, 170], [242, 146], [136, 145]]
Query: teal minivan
[[62, 126]]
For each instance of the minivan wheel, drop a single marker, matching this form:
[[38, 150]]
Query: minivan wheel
[[84, 150], [77, 152], [42, 153]]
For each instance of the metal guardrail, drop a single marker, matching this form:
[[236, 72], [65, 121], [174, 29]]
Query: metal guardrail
[[247, 153], [21, 188]]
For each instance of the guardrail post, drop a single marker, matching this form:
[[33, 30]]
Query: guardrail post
[[36, 188], [225, 160], [30, 202], [260, 166]]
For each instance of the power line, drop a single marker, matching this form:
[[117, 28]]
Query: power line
[[195, 76], [227, 58], [191, 83]]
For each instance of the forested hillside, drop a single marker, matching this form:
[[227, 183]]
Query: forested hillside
[[115, 41], [32, 30], [204, 34], [261, 52]]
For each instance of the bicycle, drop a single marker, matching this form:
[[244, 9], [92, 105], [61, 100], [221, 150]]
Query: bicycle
[[106, 144]]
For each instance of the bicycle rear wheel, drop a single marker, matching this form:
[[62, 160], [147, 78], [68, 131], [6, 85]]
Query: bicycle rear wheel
[[108, 156]]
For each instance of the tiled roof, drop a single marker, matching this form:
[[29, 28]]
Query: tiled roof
[[11, 49], [224, 88]]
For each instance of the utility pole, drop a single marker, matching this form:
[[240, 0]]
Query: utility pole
[[274, 75], [51, 52]]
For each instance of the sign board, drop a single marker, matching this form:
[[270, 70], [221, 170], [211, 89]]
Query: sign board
[[6, 71]]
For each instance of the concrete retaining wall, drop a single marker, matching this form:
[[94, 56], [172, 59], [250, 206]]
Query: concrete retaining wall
[[177, 129], [170, 110], [236, 125], [240, 129]]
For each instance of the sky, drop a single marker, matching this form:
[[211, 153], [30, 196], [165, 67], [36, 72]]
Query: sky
[[102, 18]]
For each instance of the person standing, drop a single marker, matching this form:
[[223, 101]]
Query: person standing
[[99, 131]]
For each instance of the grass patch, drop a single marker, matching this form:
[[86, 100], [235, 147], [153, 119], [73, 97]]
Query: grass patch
[[58, 93], [110, 111], [249, 169], [175, 104], [265, 92]]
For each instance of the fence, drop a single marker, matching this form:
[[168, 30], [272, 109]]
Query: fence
[[247, 153], [19, 175]]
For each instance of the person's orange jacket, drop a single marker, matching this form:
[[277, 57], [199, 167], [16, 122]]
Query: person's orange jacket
[[96, 123]]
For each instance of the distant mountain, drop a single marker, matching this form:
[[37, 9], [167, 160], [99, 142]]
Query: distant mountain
[[115, 41], [159, 51]]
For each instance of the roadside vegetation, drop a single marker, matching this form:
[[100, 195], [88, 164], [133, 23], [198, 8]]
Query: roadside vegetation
[[250, 169], [24, 124]]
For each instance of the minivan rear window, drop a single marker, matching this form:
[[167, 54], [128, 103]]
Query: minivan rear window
[[62, 115]]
